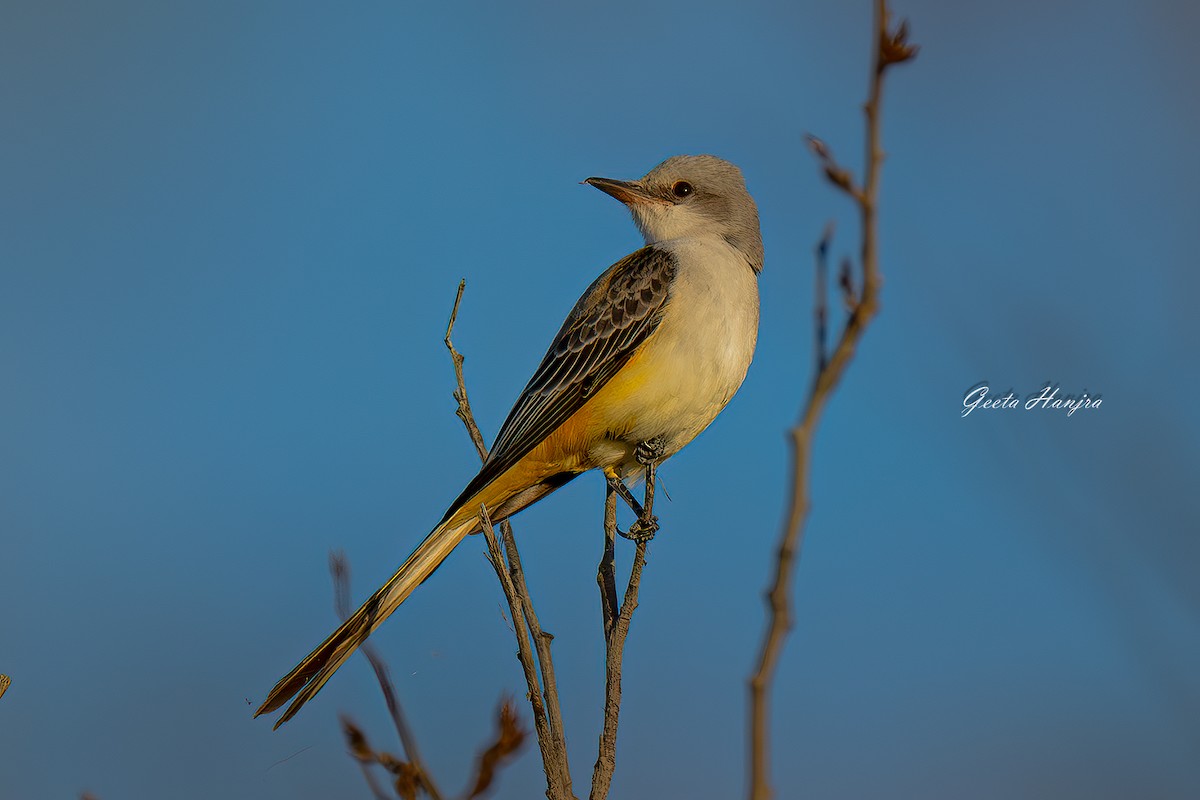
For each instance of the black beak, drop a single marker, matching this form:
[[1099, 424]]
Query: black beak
[[628, 192]]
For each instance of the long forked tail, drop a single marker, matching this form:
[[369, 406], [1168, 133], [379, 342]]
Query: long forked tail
[[310, 675]]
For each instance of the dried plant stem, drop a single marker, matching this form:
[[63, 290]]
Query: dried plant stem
[[606, 576], [463, 411], [888, 48], [552, 760], [535, 660], [339, 568], [541, 643], [617, 617]]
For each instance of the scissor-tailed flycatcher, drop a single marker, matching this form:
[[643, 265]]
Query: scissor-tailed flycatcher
[[648, 357]]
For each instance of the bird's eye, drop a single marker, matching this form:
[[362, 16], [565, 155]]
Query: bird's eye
[[682, 189]]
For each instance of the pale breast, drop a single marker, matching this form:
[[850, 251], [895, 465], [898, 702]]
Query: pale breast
[[697, 358]]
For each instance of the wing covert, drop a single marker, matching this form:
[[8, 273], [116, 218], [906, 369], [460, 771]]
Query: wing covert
[[613, 317]]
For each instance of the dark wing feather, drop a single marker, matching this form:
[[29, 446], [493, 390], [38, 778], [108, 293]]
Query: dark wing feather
[[615, 315]]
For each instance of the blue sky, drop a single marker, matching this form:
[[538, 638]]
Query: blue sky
[[230, 239]]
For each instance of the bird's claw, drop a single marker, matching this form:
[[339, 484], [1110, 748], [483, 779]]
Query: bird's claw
[[642, 530], [650, 451]]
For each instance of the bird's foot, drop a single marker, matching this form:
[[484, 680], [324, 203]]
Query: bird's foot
[[642, 530], [650, 451]]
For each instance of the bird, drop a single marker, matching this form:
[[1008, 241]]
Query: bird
[[646, 360]]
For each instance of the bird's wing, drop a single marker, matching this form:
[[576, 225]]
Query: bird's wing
[[615, 315]]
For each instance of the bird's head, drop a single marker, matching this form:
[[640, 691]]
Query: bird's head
[[692, 196]]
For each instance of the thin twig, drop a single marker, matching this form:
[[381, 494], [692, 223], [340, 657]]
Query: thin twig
[[339, 568], [543, 693], [846, 284], [606, 577], [361, 750], [616, 629], [525, 655], [541, 642], [820, 311], [463, 411], [509, 738], [888, 47]]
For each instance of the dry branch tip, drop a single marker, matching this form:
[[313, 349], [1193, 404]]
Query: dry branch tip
[[510, 736], [894, 47]]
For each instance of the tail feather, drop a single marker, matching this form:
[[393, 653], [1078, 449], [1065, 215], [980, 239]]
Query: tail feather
[[310, 675]]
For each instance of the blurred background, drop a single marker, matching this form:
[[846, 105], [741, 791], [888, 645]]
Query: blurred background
[[230, 237]]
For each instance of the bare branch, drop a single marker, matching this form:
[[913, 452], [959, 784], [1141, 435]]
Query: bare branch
[[407, 780], [547, 716], [616, 629], [820, 303], [541, 643], [835, 173], [339, 569], [463, 411], [606, 578], [846, 284], [889, 47], [550, 757], [509, 738], [361, 751]]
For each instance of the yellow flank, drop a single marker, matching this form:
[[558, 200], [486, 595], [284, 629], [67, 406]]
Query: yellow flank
[[626, 385], [572, 447]]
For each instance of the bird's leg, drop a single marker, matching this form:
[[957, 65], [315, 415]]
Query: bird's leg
[[618, 486], [646, 525], [648, 454]]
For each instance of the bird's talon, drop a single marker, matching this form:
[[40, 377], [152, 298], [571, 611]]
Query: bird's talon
[[650, 451], [642, 530]]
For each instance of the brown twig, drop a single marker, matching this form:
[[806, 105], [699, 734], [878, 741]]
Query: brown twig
[[888, 47], [541, 643], [543, 691], [606, 576], [820, 307], [463, 411], [339, 569], [555, 785], [366, 757], [846, 284], [616, 629], [509, 738], [407, 781]]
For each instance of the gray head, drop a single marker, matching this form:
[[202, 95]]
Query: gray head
[[690, 196]]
